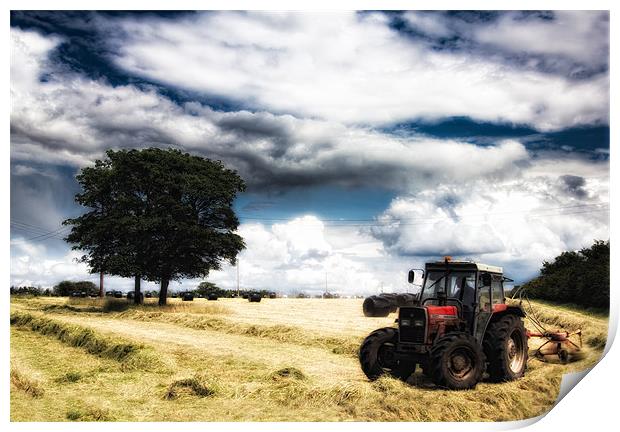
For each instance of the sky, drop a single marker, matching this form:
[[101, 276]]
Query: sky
[[370, 142]]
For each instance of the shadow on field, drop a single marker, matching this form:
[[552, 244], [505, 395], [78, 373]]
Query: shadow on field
[[111, 305]]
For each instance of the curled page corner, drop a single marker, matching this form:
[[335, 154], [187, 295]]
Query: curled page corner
[[569, 381]]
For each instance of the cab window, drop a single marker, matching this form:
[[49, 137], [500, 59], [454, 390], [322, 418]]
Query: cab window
[[496, 288]]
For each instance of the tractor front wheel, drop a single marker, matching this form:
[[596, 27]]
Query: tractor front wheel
[[377, 355], [456, 361]]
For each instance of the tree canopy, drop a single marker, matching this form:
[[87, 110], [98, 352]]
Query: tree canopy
[[580, 277], [66, 288], [157, 214]]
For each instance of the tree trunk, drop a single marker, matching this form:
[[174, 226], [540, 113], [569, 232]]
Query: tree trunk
[[137, 295], [101, 290], [163, 291]]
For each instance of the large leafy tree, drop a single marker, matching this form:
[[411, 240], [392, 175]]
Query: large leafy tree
[[580, 277], [157, 214]]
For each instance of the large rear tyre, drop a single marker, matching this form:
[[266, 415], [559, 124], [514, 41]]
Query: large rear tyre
[[377, 356], [505, 345], [456, 362]]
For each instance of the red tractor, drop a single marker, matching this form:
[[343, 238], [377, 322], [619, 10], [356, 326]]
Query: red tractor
[[459, 327]]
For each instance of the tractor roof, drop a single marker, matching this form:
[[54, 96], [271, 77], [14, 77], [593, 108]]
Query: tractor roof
[[470, 265]]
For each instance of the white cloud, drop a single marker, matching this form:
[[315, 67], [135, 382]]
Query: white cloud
[[70, 119], [581, 36], [298, 256], [516, 223], [351, 68], [429, 24]]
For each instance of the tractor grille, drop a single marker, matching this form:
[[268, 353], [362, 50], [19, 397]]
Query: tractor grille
[[412, 325]]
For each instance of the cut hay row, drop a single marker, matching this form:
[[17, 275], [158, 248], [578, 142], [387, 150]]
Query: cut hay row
[[129, 354], [280, 333], [28, 385]]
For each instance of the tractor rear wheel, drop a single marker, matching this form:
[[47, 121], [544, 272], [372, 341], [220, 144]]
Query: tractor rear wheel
[[505, 345], [456, 361], [377, 355]]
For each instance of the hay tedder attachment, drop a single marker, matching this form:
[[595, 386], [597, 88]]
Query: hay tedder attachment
[[557, 343], [561, 343]]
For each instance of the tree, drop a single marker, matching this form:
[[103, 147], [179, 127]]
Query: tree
[[190, 215], [65, 288], [157, 214], [111, 231], [205, 288], [580, 277]]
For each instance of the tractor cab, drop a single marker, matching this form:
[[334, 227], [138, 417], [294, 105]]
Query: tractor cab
[[472, 291]]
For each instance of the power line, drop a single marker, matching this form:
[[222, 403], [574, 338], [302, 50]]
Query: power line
[[460, 218], [433, 218], [42, 233]]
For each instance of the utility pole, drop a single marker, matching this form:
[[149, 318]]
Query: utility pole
[[238, 291], [101, 290]]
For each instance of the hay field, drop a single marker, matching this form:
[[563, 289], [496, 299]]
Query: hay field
[[231, 360]]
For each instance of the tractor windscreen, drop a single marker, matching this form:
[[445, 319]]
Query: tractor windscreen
[[460, 285]]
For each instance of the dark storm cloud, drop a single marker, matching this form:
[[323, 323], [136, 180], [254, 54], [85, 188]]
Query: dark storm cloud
[[574, 185], [41, 198]]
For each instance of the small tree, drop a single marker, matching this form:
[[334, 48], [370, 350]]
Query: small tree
[[205, 288], [65, 288]]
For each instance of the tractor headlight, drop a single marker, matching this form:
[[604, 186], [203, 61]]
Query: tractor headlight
[[405, 322], [418, 323]]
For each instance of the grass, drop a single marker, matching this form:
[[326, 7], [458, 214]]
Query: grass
[[70, 377], [271, 361], [88, 414], [288, 372], [198, 385]]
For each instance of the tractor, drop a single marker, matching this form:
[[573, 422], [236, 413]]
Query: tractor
[[458, 328]]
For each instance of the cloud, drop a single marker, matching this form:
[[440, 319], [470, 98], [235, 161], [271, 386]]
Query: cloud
[[516, 223], [72, 120], [429, 23], [333, 73], [579, 37], [574, 185], [353, 68], [297, 255]]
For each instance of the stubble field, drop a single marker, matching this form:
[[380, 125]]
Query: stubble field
[[231, 360]]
